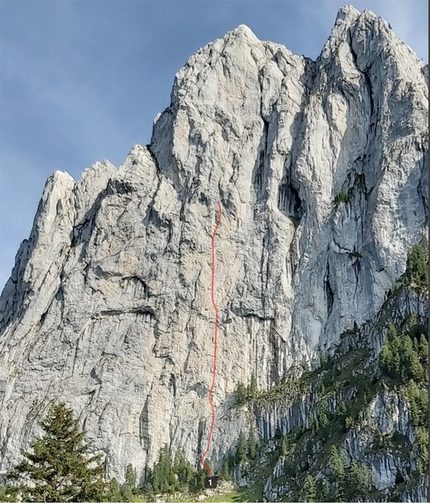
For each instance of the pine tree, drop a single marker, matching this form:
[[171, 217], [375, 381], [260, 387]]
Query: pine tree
[[129, 489], [241, 394], [197, 481], [163, 475], [349, 422], [114, 493], [424, 349], [252, 444], [285, 445], [343, 410], [417, 266], [59, 466], [361, 477], [183, 469], [338, 469], [225, 472], [252, 389], [130, 477], [336, 464], [386, 358], [324, 490], [311, 492], [241, 455], [340, 491], [323, 415]]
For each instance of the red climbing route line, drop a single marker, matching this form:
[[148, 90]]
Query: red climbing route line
[[202, 460]]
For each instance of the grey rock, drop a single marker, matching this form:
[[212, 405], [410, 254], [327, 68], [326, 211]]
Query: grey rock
[[109, 307]]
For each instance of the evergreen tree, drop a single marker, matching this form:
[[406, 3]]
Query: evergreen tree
[[361, 478], [423, 349], [324, 490], [338, 470], [183, 469], [197, 481], [285, 445], [163, 478], [422, 441], [336, 462], [349, 422], [114, 492], [310, 488], [252, 444], [59, 466], [240, 394], [417, 266], [225, 471], [323, 415], [252, 390], [129, 489], [148, 489], [241, 456], [130, 477], [323, 420], [416, 345], [343, 410], [340, 491], [386, 358]]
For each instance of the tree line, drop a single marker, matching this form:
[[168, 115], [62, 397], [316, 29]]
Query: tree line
[[59, 466]]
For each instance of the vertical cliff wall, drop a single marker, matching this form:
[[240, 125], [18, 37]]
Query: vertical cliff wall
[[320, 167]]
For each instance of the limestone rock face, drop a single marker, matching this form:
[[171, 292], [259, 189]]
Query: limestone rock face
[[320, 168]]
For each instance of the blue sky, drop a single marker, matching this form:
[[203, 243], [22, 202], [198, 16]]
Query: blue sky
[[81, 80]]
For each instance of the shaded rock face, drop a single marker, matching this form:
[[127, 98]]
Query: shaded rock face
[[320, 167]]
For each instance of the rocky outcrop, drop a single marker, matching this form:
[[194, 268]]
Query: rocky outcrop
[[320, 167]]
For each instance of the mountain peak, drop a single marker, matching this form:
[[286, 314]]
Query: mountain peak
[[243, 30], [347, 12], [320, 169]]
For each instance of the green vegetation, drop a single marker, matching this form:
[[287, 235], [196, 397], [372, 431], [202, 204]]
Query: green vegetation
[[170, 476], [288, 388], [310, 458], [8, 493], [404, 357], [416, 274], [128, 491], [417, 264], [404, 360], [343, 197], [314, 465], [360, 479], [179, 476], [243, 394], [311, 490], [360, 182], [252, 444], [59, 466], [242, 451], [340, 393]]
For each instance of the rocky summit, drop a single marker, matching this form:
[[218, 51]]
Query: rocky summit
[[321, 171]]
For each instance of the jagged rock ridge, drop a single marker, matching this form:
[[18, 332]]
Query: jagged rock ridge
[[320, 167]]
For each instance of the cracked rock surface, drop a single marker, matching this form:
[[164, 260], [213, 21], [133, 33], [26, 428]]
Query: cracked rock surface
[[321, 170]]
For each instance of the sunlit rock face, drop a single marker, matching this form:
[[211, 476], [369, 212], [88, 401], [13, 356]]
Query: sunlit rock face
[[320, 168]]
